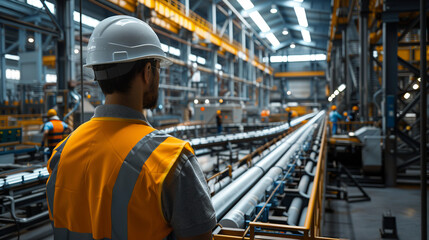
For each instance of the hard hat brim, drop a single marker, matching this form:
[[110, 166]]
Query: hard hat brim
[[165, 61]]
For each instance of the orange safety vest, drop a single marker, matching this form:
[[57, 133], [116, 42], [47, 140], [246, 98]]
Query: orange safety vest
[[106, 180], [56, 134]]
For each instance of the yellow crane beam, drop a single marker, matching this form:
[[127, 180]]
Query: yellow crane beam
[[175, 12]]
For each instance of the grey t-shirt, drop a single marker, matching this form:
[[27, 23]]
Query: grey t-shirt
[[185, 197]]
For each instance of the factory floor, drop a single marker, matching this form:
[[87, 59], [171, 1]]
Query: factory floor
[[363, 220]]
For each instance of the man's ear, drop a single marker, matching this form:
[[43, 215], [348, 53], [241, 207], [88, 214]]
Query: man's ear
[[147, 71]]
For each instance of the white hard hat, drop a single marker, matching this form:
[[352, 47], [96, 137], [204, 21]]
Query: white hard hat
[[121, 39]]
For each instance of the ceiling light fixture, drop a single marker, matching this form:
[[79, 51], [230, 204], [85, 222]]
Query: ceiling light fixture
[[407, 95], [415, 86], [30, 40], [285, 32], [292, 45], [273, 9]]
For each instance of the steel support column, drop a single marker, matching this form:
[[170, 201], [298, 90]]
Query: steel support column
[[363, 57], [213, 84], [242, 64], [348, 90], [252, 70], [231, 59], [2, 64], [64, 10], [38, 44], [423, 117], [390, 83]]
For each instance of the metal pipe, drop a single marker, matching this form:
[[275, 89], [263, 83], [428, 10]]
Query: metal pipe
[[240, 170], [294, 211], [23, 220], [226, 198], [423, 119], [309, 168], [303, 215], [303, 186], [235, 217]]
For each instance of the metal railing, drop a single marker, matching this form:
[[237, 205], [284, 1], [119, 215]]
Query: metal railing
[[346, 127]]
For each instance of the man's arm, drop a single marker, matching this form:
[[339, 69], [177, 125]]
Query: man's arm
[[186, 201], [45, 136]]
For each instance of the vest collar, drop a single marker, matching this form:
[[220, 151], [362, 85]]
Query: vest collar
[[118, 111]]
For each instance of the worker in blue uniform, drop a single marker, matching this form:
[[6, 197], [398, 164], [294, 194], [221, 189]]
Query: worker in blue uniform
[[334, 117]]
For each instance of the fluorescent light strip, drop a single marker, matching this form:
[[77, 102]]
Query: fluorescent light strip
[[305, 35], [300, 14], [164, 47], [11, 57], [298, 58], [246, 4], [174, 51], [192, 58], [259, 21], [201, 60], [273, 40]]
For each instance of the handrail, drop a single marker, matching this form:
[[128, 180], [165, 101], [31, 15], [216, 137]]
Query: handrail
[[309, 218]]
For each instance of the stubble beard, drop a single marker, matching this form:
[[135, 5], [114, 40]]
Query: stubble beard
[[151, 96]]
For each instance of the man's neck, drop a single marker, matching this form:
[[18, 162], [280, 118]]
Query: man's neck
[[125, 99]]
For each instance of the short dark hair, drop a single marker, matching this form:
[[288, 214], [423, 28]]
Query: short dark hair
[[121, 83]]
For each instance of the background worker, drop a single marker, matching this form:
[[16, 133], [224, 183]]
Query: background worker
[[289, 115], [219, 121], [347, 120], [354, 113], [334, 117], [116, 177], [53, 130]]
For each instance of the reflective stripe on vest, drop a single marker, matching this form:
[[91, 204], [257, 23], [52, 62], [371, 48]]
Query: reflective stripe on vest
[[56, 134], [126, 180], [50, 185]]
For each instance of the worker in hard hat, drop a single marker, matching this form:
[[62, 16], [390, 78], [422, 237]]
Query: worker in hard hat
[[334, 117], [347, 120], [219, 121], [354, 113], [289, 115], [53, 130], [116, 177]]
